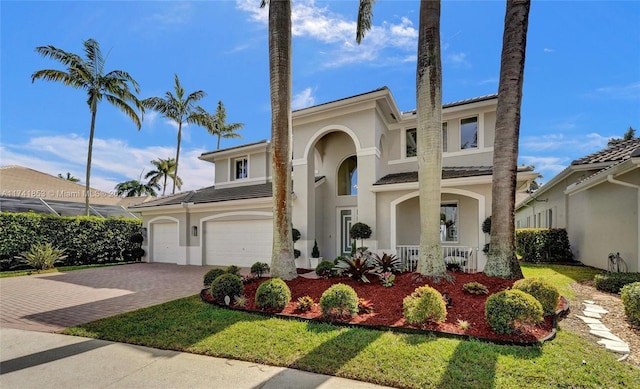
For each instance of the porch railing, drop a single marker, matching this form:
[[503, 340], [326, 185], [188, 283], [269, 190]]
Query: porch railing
[[465, 257]]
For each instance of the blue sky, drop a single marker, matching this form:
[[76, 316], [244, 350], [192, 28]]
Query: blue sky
[[582, 74]]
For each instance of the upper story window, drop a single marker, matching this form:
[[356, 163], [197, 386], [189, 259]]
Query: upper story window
[[348, 177], [411, 142], [469, 133], [411, 149], [240, 168]]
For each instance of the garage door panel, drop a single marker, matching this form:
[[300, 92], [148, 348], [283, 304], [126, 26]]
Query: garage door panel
[[165, 242], [238, 242]]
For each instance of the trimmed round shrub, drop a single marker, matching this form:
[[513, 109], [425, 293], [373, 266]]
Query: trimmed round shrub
[[324, 268], [547, 294], [273, 294], [507, 309], [212, 275], [226, 285], [630, 295], [339, 300], [260, 268], [424, 305], [233, 269]]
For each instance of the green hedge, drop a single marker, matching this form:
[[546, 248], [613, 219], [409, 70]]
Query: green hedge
[[614, 282], [86, 239], [543, 245]]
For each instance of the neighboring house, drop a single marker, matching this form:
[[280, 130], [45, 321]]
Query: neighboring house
[[24, 189], [354, 160], [597, 199]]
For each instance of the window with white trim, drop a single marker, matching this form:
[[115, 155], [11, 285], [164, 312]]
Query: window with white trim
[[240, 168], [469, 133], [411, 144], [449, 222], [348, 177], [444, 137]]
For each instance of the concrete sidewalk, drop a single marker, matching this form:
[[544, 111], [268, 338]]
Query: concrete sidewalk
[[31, 359]]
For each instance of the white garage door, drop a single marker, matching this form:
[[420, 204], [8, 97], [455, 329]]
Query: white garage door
[[238, 242], [165, 242]]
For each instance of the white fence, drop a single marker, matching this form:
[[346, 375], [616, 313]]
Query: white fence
[[464, 256]]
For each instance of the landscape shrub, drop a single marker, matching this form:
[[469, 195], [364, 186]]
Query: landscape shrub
[[42, 256], [86, 239], [630, 296], [212, 275], [424, 305], [547, 294], [357, 267], [475, 288], [339, 300], [273, 294], [543, 245], [260, 268], [325, 269], [226, 285], [506, 310], [387, 263], [305, 303], [613, 282], [233, 269]]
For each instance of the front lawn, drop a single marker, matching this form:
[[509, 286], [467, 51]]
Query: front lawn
[[388, 358]]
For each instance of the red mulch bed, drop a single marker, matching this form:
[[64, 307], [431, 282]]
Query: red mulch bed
[[387, 303]]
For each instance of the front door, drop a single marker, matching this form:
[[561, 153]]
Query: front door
[[346, 217]]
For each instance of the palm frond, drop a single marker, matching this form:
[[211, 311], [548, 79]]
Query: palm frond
[[365, 14]]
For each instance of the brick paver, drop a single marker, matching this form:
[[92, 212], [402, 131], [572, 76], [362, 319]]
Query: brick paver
[[53, 301]]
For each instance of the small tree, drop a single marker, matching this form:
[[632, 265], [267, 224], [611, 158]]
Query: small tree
[[315, 252], [360, 231], [295, 234]]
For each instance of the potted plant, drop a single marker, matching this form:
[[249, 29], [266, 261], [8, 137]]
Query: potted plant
[[315, 255]]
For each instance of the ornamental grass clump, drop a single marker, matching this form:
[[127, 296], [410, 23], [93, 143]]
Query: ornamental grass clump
[[339, 300], [226, 285], [424, 305], [475, 288], [505, 311], [42, 256], [545, 293], [273, 294], [630, 296]]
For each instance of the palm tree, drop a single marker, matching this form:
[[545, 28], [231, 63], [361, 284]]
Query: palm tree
[[133, 188], [282, 257], [89, 74], [429, 130], [165, 168], [69, 177], [502, 261], [217, 124], [177, 108]]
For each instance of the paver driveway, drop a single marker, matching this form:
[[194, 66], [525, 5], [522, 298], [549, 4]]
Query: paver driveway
[[53, 301]]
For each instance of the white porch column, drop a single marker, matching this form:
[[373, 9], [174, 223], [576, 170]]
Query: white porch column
[[303, 208], [367, 162]]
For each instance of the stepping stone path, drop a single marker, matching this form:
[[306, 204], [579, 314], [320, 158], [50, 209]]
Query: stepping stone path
[[592, 312]]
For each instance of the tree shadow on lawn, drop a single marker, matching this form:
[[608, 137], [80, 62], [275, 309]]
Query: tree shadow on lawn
[[473, 363], [330, 356]]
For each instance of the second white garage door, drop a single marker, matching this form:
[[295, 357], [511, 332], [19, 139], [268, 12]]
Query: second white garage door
[[238, 242]]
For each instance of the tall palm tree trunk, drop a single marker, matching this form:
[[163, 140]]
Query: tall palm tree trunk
[[218, 145], [502, 261], [87, 186], [164, 184], [282, 260], [173, 191], [429, 138]]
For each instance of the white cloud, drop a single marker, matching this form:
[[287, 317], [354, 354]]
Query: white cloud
[[547, 166], [548, 50], [113, 160], [178, 13], [338, 32], [631, 91], [458, 60], [549, 142], [303, 99]]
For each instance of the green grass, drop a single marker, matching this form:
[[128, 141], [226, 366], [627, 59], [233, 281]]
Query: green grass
[[388, 358], [28, 272], [560, 275]]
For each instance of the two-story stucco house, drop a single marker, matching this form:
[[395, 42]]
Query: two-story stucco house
[[354, 160]]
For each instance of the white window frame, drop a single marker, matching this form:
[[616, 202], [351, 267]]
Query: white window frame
[[404, 143], [456, 224], [477, 146], [234, 170]]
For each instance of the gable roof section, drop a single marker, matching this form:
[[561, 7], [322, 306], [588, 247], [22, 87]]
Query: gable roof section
[[620, 152]]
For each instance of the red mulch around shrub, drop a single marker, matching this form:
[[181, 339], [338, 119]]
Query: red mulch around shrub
[[387, 303]]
